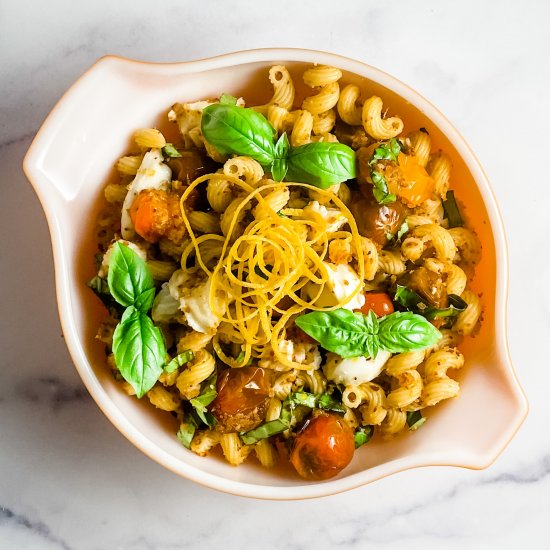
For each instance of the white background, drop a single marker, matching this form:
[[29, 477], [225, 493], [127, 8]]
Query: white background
[[68, 479]]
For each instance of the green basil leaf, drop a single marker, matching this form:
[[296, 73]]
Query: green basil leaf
[[207, 395], [412, 301], [187, 430], [170, 151], [264, 431], [139, 350], [452, 212], [343, 332], [129, 278], [362, 435], [303, 398], [228, 99], [279, 167], [415, 420], [321, 164], [404, 331], [235, 130], [178, 361]]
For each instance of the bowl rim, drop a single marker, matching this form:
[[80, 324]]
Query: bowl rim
[[49, 201]]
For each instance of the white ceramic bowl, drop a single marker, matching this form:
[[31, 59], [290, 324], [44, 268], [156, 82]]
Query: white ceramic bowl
[[73, 155]]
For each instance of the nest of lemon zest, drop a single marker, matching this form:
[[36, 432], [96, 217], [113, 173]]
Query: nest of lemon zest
[[274, 258]]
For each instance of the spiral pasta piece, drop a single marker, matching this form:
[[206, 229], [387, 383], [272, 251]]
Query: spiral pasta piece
[[376, 126], [437, 384], [196, 372]]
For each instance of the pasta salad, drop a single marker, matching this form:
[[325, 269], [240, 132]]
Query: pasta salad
[[287, 280]]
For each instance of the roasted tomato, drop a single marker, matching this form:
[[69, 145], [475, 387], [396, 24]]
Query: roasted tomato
[[427, 284], [379, 302], [189, 166], [323, 448], [242, 400], [377, 221], [156, 214]]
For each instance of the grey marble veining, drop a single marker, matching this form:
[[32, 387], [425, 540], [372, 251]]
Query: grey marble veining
[[69, 480]]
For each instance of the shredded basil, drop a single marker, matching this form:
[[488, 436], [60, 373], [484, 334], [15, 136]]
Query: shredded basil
[[386, 151], [170, 151], [228, 99], [415, 420], [362, 435], [187, 430], [452, 212], [412, 301], [179, 361]]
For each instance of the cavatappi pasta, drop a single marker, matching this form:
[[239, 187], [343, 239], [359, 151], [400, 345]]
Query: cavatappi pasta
[[233, 260]]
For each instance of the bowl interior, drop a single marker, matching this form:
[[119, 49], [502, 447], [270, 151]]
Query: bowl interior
[[72, 159]]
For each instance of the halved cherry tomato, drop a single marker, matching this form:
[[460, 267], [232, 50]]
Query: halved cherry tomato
[[417, 186], [156, 213], [323, 448], [379, 302], [242, 400]]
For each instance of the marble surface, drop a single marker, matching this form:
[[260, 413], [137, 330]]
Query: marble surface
[[68, 479]]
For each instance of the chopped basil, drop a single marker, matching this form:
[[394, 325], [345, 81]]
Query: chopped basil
[[207, 395], [187, 430], [452, 213], [362, 435], [386, 151], [179, 361], [412, 301], [170, 151], [415, 420], [294, 410], [228, 99]]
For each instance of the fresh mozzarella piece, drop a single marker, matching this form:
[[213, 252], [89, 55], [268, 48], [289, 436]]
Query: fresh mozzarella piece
[[354, 370], [194, 300], [304, 353], [152, 174], [104, 269], [165, 307], [342, 281], [334, 219]]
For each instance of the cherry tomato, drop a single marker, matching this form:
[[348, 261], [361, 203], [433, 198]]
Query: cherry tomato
[[242, 400], [379, 302], [377, 221], [323, 448]]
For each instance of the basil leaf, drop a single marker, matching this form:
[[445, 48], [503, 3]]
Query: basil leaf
[[264, 431], [235, 130], [279, 167], [187, 430], [178, 361], [139, 350], [412, 301], [129, 278], [452, 213], [415, 420], [303, 398], [170, 151], [362, 435], [343, 332], [321, 164], [100, 288], [228, 99], [405, 331]]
